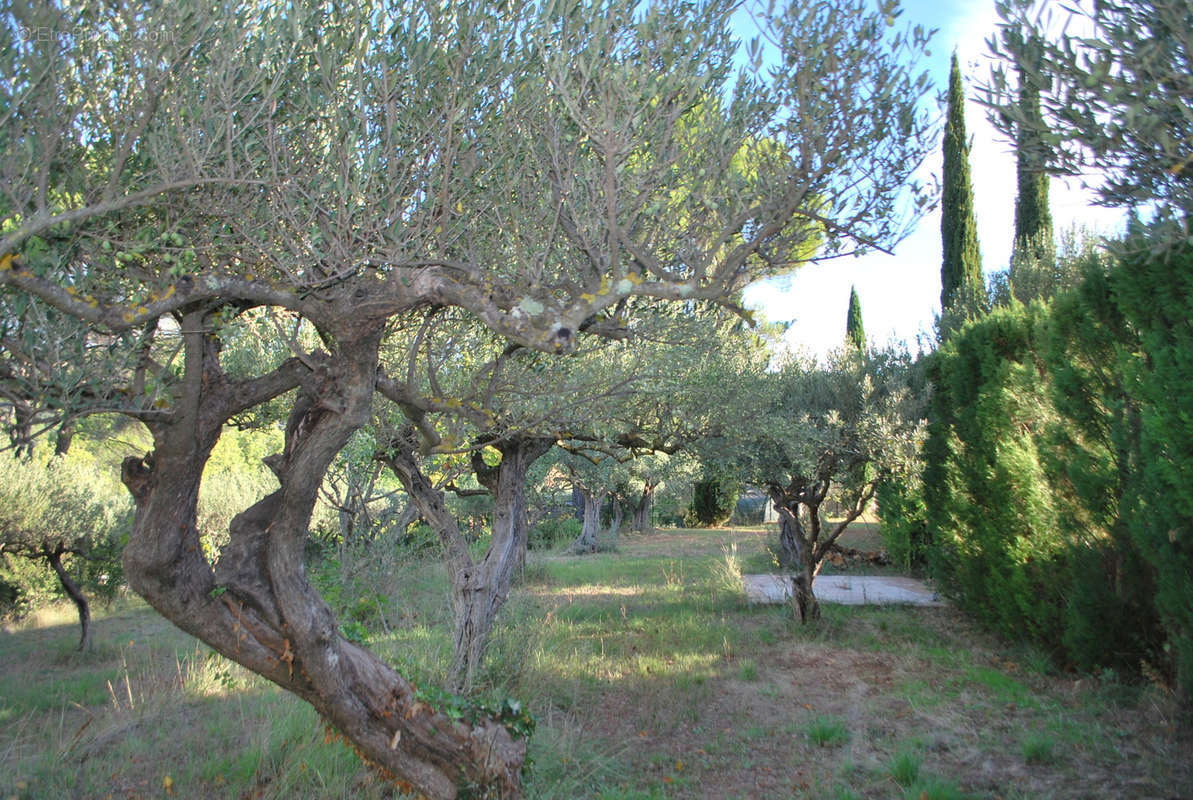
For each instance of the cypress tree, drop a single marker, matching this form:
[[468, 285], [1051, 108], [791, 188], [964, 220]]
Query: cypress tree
[[961, 270], [1033, 217], [855, 334]]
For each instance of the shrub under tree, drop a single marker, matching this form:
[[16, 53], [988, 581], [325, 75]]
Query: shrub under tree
[[714, 497]]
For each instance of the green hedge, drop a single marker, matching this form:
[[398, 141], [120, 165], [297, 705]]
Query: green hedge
[[991, 512], [1057, 472], [1155, 295]]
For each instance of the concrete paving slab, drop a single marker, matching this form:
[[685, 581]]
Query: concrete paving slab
[[850, 590]]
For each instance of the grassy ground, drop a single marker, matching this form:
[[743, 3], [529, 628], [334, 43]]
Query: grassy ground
[[650, 679]]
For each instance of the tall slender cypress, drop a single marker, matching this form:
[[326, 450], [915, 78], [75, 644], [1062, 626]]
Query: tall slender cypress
[[961, 270], [855, 334], [1033, 217]]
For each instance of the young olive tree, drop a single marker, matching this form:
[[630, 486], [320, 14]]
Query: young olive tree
[[50, 510], [826, 432], [168, 167], [470, 396]]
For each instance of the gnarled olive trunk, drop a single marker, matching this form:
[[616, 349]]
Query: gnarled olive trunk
[[478, 589], [586, 542], [257, 606], [802, 549], [641, 520], [480, 592], [74, 593], [506, 482]]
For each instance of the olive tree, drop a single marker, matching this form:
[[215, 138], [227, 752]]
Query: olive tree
[[53, 510], [1114, 90], [820, 432], [169, 167], [466, 393]]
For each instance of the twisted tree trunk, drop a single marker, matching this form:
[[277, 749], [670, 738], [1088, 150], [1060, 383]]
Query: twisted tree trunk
[[74, 593], [257, 607], [506, 482], [641, 521], [802, 550], [478, 589], [799, 554]]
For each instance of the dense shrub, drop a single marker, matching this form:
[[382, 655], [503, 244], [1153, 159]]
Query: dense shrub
[[904, 522], [1093, 466], [714, 497], [997, 546], [552, 532], [1154, 291]]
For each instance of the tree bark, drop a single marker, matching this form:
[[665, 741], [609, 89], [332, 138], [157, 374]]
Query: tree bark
[[66, 434], [481, 592], [478, 589], [506, 482], [641, 520], [396, 526], [615, 523], [799, 554], [75, 594], [586, 542], [257, 607], [790, 537]]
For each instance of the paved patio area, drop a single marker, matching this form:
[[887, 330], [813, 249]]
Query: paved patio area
[[850, 590]]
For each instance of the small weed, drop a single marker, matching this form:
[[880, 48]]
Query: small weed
[[905, 768], [841, 792], [725, 573], [754, 732], [747, 670], [827, 732], [1038, 749], [770, 691]]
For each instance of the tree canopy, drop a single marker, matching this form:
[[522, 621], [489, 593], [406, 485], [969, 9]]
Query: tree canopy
[[172, 171], [1114, 99]]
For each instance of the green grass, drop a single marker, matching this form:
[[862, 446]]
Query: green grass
[[648, 675], [747, 670], [827, 731], [1038, 749], [904, 768], [929, 788]]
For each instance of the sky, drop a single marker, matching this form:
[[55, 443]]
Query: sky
[[900, 293]]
